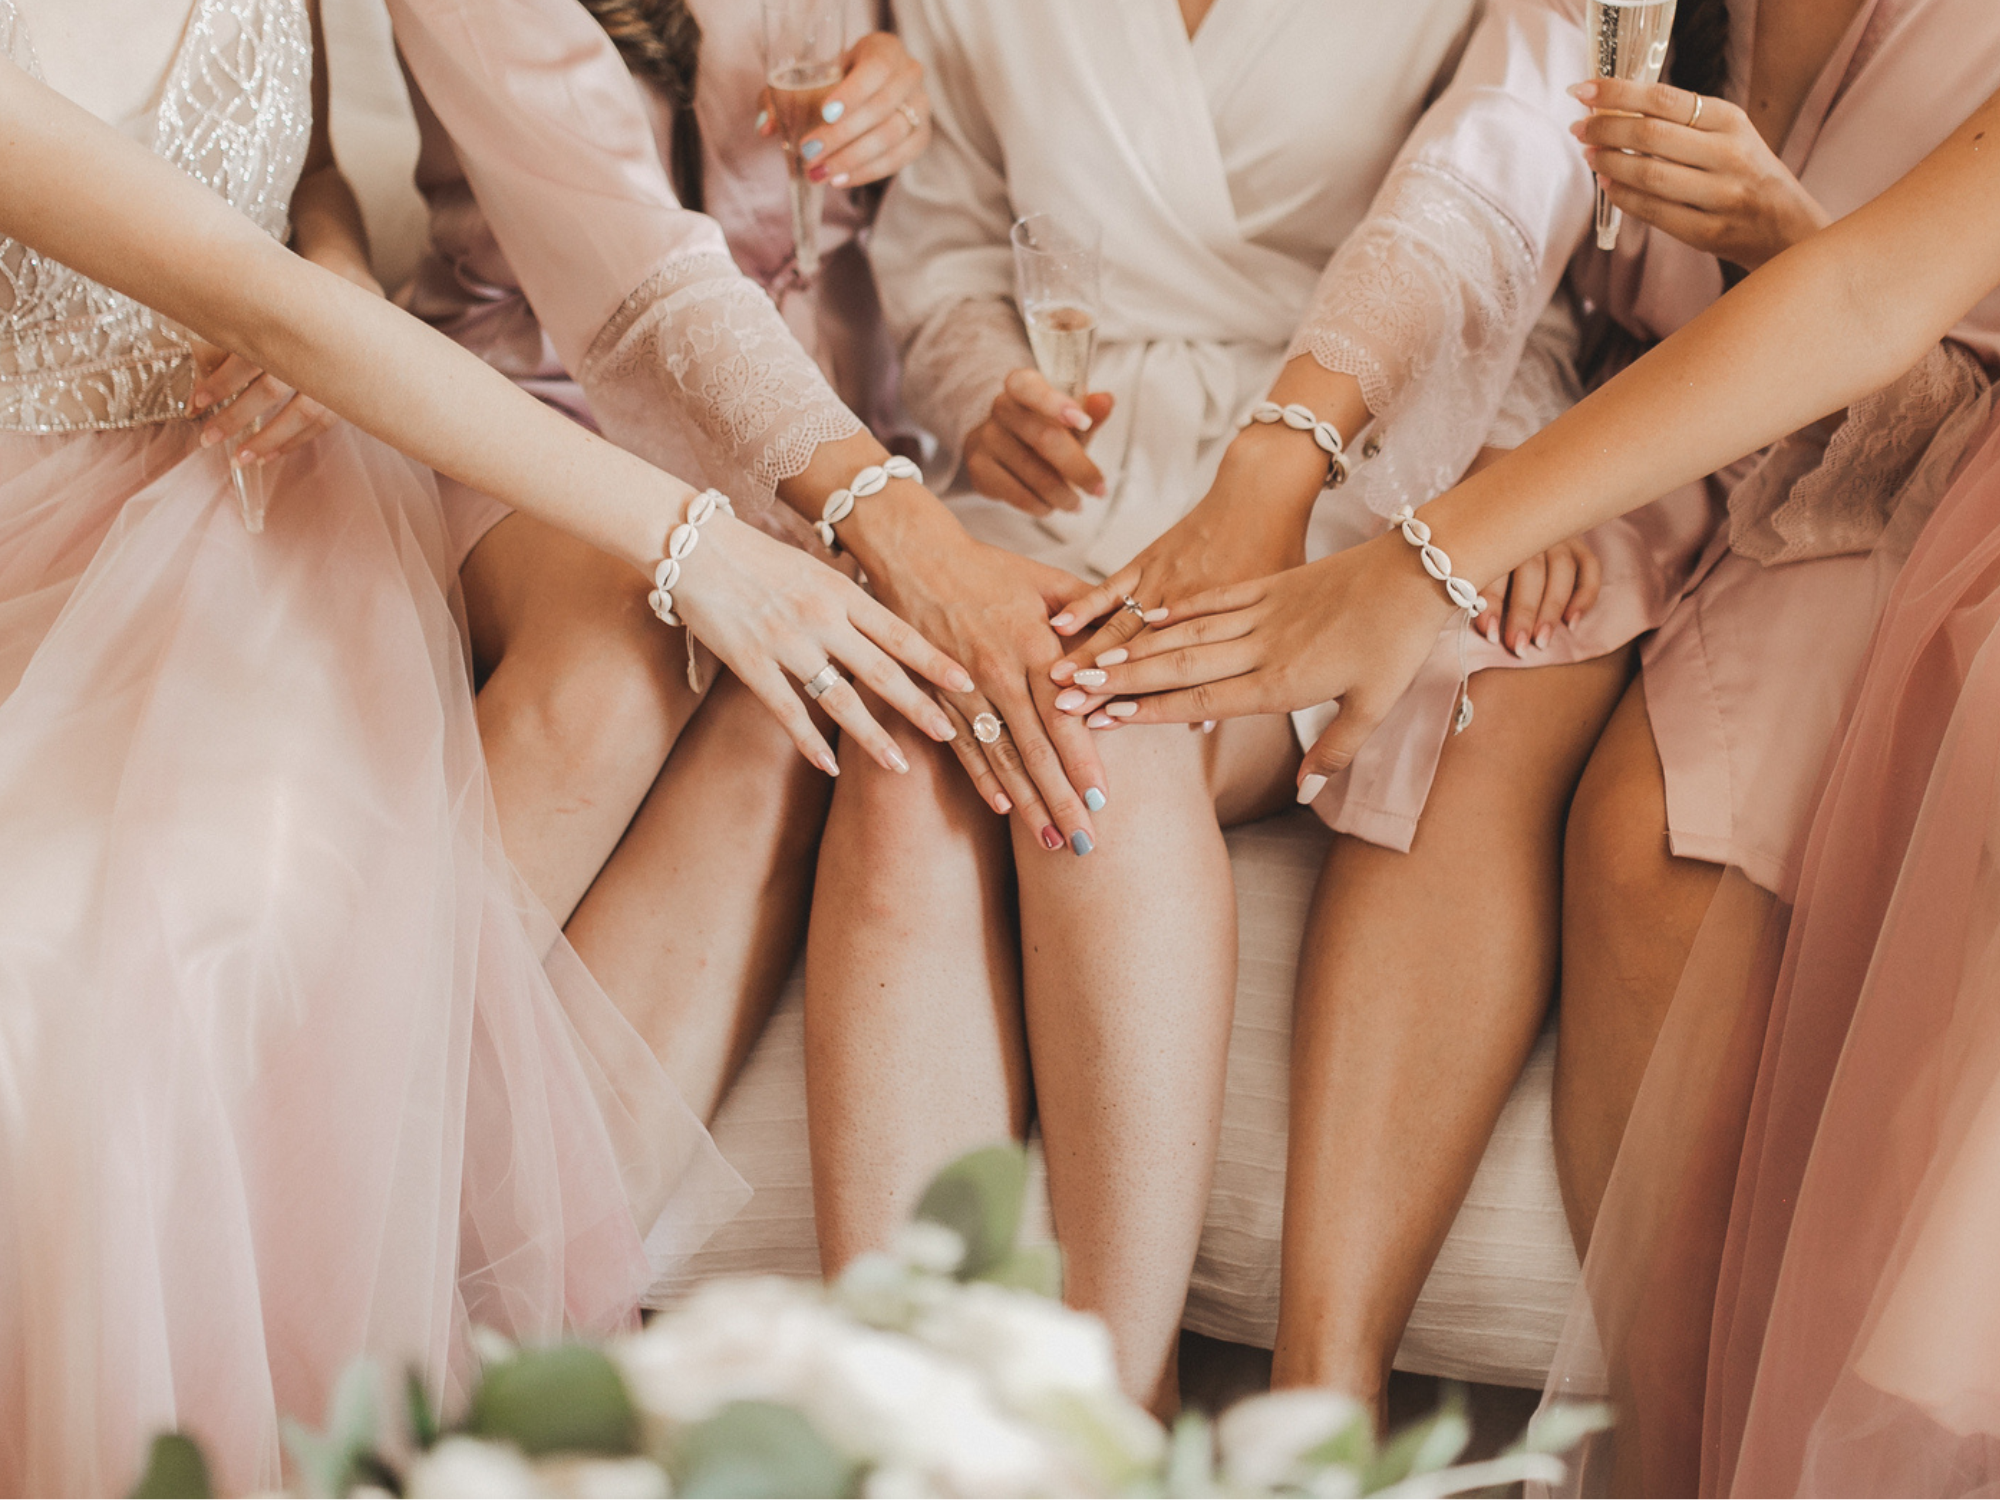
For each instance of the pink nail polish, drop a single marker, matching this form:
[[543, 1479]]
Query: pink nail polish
[[1090, 677], [1116, 656], [896, 762], [1121, 710], [1051, 840], [1077, 417], [839, 179], [1100, 720], [827, 764], [1065, 618], [1062, 671], [1208, 726], [1071, 699], [1001, 804], [210, 439], [1099, 490]]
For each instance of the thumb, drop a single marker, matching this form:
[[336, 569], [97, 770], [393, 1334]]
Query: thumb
[[1334, 751], [1097, 406]]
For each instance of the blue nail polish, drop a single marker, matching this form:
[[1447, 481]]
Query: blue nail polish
[[811, 149], [763, 116], [1080, 844], [832, 110], [1093, 799]]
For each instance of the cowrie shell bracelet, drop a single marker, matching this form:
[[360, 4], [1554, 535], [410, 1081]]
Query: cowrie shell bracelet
[[1301, 419], [870, 481], [1462, 593], [681, 542]]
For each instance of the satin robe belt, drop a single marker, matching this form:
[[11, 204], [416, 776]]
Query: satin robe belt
[[1178, 403]]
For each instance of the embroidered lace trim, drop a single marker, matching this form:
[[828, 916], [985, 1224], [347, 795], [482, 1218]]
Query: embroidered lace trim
[[700, 337], [1835, 487], [236, 114], [1428, 305], [954, 368]]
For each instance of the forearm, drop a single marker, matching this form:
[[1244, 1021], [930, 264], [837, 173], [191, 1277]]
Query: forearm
[[886, 531], [1829, 321]]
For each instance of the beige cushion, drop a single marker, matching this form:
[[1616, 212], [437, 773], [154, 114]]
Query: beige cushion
[[1495, 1300], [374, 135]]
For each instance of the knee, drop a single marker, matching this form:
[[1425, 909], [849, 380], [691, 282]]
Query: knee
[[597, 700], [1615, 855]]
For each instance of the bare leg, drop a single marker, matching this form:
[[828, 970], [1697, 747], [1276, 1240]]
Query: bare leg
[[1424, 979], [1630, 914], [696, 919], [691, 925], [914, 1050], [1129, 960]]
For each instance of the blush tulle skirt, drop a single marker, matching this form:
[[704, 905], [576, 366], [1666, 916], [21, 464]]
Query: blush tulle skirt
[[1794, 1284], [292, 1069]]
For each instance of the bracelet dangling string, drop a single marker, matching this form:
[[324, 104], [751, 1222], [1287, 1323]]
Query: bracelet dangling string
[[681, 542], [1462, 593], [870, 481]]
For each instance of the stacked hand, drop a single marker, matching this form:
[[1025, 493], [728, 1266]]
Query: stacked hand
[[878, 117], [1703, 175], [1030, 452]]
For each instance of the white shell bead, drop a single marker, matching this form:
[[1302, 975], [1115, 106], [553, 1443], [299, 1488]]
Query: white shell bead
[[1463, 594], [825, 530], [702, 507], [870, 481], [1416, 532], [1328, 438], [900, 467], [839, 506], [1436, 562], [662, 602], [682, 541], [1299, 418], [666, 574]]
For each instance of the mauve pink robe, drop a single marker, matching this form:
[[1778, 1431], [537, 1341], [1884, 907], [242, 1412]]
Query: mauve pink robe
[[560, 255], [1747, 676]]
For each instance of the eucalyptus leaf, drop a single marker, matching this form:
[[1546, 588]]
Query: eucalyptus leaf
[[174, 1468], [756, 1448], [1422, 1446], [417, 1404], [568, 1398], [1353, 1447], [1561, 1427], [329, 1461], [979, 1196]]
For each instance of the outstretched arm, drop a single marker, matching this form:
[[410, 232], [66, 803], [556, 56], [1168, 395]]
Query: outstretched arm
[[1827, 322], [154, 233]]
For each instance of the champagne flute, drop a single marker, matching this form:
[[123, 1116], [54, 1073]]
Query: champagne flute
[[803, 44], [1628, 41], [1056, 285]]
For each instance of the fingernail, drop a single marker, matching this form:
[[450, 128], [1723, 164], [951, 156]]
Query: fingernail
[[1310, 788], [1080, 844], [1121, 710], [1062, 671], [763, 118], [944, 732], [817, 174], [210, 439], [1099, 489], [1154, 616], [1570, 619], [838, 179], [811, 149], [1077, 417], [1208, 726], [245, 456], [1542, 637], [1051, 840], [1520, 643], [1114, 657], [1100, 720], [961, 681], [896, 762], [827, 764], [1069, 700], [198, 399], [1065, 618], [1090, 677], [832, 110], [1001, 804], [1586, 91], [1093, 799], [1493, 632]]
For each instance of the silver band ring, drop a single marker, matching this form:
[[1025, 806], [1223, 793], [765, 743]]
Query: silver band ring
[[1135, 606], [822, 681], [987, 728], [1694, 120], [909, 113]]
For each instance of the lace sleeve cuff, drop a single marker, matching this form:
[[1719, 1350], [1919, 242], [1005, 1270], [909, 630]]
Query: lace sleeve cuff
[[954, 368], [697, 353]]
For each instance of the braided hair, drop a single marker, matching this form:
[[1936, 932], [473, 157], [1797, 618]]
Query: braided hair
[[1701, 47], [660, 40]]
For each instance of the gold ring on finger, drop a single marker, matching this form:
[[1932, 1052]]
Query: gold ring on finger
[[909, 113], [987, 728], [1694, 120]]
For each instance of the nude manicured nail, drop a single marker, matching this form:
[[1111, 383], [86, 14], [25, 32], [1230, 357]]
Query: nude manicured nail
[[1002, 804], [1051, 839], [1069, 700], [1493, 632], [1121, 710], [1093, 799], [1077, 417], [893, 758], [838, 179], [1570, 619], [1208, 726], [1310, 788], [210, 439], [1519, 645], [961, 680], [1065, 618], [1090, 677], [944, 731], [827, 764], [1062, 671], [1586, 91], [1154, 616], [1100, 720], [1115, 657], [1542, 637]]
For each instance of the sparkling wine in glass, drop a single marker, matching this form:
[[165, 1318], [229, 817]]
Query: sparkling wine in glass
[[803, 44], [1056, 285], [1628, 40]]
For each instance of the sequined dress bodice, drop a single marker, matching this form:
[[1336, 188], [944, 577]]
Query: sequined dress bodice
[[235, 112]]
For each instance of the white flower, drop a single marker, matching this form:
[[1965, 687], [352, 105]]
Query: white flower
[[924, 1246], [1027, 1346], [582, 1477], [463, 1468], [1262, 1439]]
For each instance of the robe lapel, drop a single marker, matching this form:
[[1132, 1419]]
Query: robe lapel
[[1827, 90]]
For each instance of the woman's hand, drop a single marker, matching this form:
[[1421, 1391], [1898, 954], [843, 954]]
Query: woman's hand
[[1709, 180], [1227, 538], [767, 609], [1030, 451], [1355, 627], [991, 609], [1557, 587], [878, 117]]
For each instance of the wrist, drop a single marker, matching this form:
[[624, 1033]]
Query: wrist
[[904, 522], [1277, 471]]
